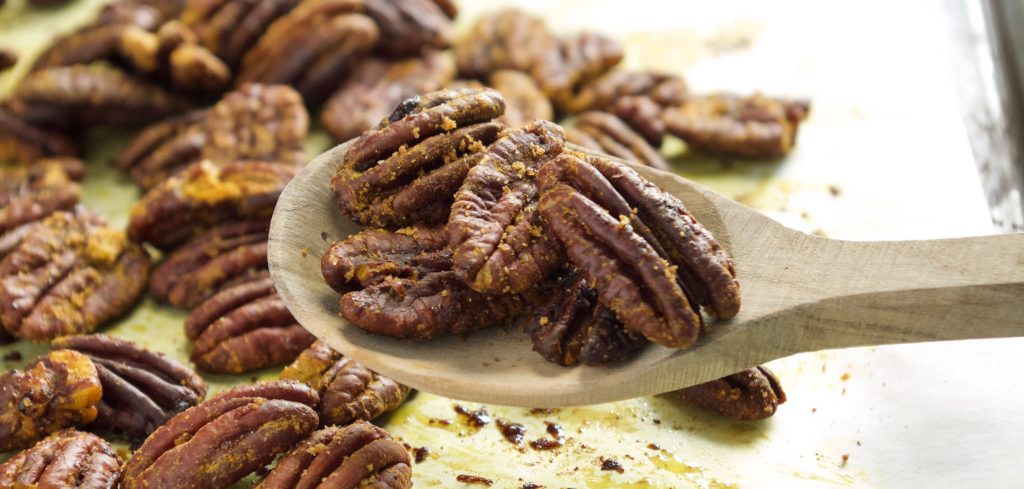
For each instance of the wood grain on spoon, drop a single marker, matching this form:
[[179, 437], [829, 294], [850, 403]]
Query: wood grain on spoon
[[800, 293]]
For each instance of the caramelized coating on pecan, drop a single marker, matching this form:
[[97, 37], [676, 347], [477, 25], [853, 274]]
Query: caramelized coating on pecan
[[506, 39], [405, 170], [751, 127], [66, 460], [244, 328], [205, 195], [651, 262], [408, 27], [418, 296], [568, 326], [376, 85], [525, 102], [348, 390], [21, 142], [220, 441], [494, 232], [358, 455], [142, 389], [164, 148], [69, 275], [8, 58], [30, 193], [754, 393], [174, 56], [230, 28], [614, 137], [53, 392], [576, 60], [81, 95], [602, 92]]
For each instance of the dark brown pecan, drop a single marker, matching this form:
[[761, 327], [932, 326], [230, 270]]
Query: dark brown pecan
[[311, 47], [525, 102], [348, 390], [225, 255], [651, 262], [568, 326], [417, 295], [408, 27], [8, 58], [613, 136], [69, 275], [244, 328], [751, 127], [754, 393], [576, 60], [81, 95], [53, 392], [602, 92], [494, 231], [358, 455], [205, 195], [507, 39], [218, 442], [142, 389], [173, 55], [405, 170], [230, 28], [66, 460], [376, 85], [643, 115], [20, 142], [164, 149], [30, 193]]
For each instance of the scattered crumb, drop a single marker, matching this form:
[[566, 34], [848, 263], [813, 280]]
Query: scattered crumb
[[845, 377], [814, 410], [653, 446], [420, 454], [846, 458], [323, 235], [611, 464], [304, 251], [834, 190], [474, 479]]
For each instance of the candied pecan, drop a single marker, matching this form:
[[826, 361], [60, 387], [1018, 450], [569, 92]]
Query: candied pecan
[[376, 85], [8, 58], [752, 127], [244, 328], [204, 195], [408, 27], [651, 262], [69, 459], [602, 92], [576, 60], [568, 326], [311, 47], [142, 389], [428, 144], [220, 441], [80, 95], [494, 232], [348, 390], [53, 392], [506, 39], [358, 455], [754, 393], [164, 148], [643, 115], [31, 193], [525, 102], [614, 137], [173, 55], [70, 275], [418, 296], [224, 255], [20, 142], [230, 28]]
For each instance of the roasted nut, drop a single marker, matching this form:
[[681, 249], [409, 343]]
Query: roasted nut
[[218, 442], [525, 102], [348, 390], [417, 296], [66, 460], [142, 389], [507, 39], [53, 392], [226, 255], [408, 27], [568, 326], [405, 170], [614, 137], [494, 231], [575, 61], [376, 85], [165, 148], [311, 47], [75, 96], [752, 127], [8, 58], [205, 195], [244, 328], [602, 92], [643, 115], [70, 275], [173, 55], [358, 455], [20, 142], [754, 393], [31, 193], [651, 262], [230, 28]]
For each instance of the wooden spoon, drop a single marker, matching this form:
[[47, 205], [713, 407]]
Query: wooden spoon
[[800, 293]]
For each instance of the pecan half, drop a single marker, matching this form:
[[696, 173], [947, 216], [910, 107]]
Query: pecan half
[[220, 441], [603, 91], [164, 148], [66, 460], [226, 255], [405, 170], [244, 328], [204, 195], [507, 39], [348, 390], [494, 231], [376, 85], [31, 193], [752, 127], [142, 389], [51, 393], [69, 275], [408, 27], [525, 101], [370, 256], [643, 115], [568, 326], [613, 136], [82, 95], [21, 142], [230, 28], [358, 455], [576, 60], [651, 262], [754, 393]]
